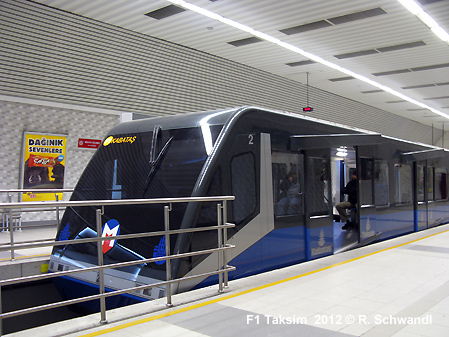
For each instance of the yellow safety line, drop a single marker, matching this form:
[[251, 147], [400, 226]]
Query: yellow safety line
[[23, 257], [226, 297]]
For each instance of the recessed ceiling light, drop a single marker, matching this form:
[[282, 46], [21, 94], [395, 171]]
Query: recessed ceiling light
[[357, 16], [165, 12], [244, 42], [300, 63], [428, 2], [338, 79], [371, 91]]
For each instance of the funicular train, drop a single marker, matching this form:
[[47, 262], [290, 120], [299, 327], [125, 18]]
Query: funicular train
[[285, 171]]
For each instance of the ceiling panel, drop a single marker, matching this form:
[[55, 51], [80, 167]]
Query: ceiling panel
[[397, 26]]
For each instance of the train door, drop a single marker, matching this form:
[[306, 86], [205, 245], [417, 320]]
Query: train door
[[288, 237], [318, 208], [318, 203], [288, 185]]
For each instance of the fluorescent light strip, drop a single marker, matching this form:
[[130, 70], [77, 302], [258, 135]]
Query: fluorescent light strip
[[415, 9], [300, 51]]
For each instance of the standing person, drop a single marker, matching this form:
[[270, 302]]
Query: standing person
[[351, 191]]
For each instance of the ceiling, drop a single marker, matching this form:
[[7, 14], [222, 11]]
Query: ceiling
[[378, 39]]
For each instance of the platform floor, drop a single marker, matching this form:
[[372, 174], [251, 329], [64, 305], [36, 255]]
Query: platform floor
[[26, 235], [399, 288]]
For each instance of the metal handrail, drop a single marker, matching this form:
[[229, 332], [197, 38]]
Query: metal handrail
[[24, 210], [112, 293], [38, 190], [9, 226], [8, 207], [223, 268], [122, 236], [37, 204], [32, 278]]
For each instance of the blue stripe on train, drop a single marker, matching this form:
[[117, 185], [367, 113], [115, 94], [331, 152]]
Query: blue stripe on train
[[279, 248]]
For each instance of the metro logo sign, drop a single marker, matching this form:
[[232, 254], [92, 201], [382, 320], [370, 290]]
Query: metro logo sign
[[110, 228]]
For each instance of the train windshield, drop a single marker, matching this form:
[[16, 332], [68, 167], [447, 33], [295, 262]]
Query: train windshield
[[120, 169], [124, 168]]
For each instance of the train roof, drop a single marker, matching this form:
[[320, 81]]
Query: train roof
[[185, 120], [221, 117], [214, 117]]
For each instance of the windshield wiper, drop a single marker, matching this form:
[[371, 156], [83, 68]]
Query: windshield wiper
[[156, 130], [155, 163]]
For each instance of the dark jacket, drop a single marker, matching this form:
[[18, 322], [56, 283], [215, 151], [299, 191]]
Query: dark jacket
[[351, 191]]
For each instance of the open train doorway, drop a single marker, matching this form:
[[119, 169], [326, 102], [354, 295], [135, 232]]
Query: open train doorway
[[343, 167]]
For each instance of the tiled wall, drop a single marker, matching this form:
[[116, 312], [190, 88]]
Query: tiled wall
[[17, 118]]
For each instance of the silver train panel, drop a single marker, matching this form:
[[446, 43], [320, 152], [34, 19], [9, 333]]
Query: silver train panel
[[252, 232]]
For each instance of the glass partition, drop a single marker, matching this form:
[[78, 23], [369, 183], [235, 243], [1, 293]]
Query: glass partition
[[381, 183], [403, 184], [287, 187], [441, 184], [430, 183]]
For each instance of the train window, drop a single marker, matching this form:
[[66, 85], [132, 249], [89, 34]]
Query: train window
[[318, 197], [430, 183], [366, 182], [381, 185], [243, 177], [403, 184], [179, 170], [441, 184], [420, 175], [286, 183]]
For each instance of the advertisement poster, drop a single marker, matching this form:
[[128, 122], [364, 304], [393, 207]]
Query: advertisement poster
[[43, 165]]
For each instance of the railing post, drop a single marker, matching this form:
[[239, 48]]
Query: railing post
[[167, 210], [57, 210], [225, 240], [1, 311], [220, 245], [100, 263], [10, 226], [19, 219]]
